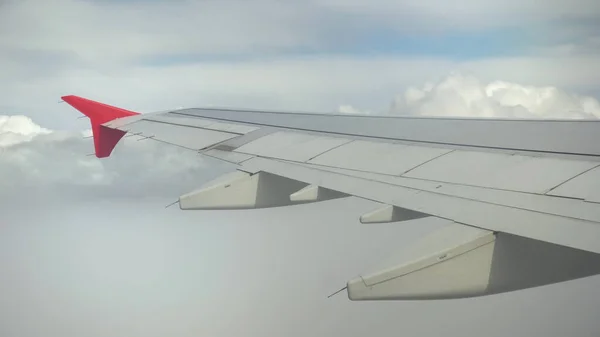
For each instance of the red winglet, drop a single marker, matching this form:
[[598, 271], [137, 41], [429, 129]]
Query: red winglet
[[105, 139]]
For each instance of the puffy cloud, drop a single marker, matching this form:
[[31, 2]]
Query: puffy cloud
[[467, 96], [18, 129], [37, 161]]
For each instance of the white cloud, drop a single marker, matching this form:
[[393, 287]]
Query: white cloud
[[467, 96], [351, 110], [18, 129], [56, 162]]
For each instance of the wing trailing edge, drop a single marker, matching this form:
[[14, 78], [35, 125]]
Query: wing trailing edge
[[105, 139]]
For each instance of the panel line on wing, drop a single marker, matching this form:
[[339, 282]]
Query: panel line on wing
[[574, 177], [426, 162], [329, 150]]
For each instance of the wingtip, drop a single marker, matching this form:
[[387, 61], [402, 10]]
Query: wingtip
[[98, 112], [105, 139]]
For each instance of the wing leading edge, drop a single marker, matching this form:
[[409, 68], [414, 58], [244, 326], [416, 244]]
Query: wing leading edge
[[508, 191]]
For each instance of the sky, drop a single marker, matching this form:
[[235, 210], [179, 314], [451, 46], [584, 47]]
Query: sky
[[88, 248]]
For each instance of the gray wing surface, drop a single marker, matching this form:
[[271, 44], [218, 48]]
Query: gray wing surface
[[519, 199]]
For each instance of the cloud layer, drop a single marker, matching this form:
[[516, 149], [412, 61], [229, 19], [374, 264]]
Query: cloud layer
[[264, 26]]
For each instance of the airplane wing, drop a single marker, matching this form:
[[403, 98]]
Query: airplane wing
[[520, 199]]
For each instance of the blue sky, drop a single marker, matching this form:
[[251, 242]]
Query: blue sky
[[311, 55], [456, 46]]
